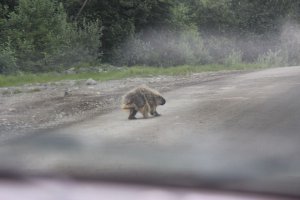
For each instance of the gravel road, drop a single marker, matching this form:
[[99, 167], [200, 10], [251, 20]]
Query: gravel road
[[36, 107], [236, 131]]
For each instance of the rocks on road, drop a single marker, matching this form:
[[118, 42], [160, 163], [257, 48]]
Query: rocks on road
[[38, 106]]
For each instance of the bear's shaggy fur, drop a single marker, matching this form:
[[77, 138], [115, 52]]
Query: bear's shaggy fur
[[142, 99]]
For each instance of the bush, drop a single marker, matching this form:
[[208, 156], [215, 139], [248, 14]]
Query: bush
[[44, 40], [234, 58], [290, 43], [272, 58], [81, 45], [219, 49], [7, 59], [191, 45], [163, 49]]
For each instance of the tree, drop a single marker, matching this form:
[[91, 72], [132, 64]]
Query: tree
[[261, 17], [41, 34], [121, 19]]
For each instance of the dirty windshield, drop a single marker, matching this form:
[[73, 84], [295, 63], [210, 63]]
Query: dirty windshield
[[190, 93]]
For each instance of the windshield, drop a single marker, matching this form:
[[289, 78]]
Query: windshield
[[183, 93]]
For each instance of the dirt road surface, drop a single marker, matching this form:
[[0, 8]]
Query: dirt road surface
[[243, 128], [36, 107], [256, 103]]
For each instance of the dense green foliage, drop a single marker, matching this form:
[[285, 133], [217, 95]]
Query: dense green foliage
[[52, 35], [39, 38]]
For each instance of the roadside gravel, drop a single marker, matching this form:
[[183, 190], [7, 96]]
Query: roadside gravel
[[31, 108]]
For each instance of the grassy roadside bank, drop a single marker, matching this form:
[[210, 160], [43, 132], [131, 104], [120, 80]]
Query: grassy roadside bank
[[137, 71]]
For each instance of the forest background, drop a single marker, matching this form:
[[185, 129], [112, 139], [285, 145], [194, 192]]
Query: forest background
[[55, 35]]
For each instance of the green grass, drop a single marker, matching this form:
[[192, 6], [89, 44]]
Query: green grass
[[137, 71]]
